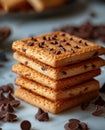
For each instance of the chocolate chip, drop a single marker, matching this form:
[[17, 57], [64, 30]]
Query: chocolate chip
[[102, 89], [10, 97], [83, 126], [54, 42], [63, 34], [68, 44], [23, 49], [98, 110], [41, 115], [71, 38], [43, 69], [30, 43], [64, 72], [99, 101], [26, 62], [84, 105], [85, 44], [93, 66], [34, 39], [0, 128], [10, 117], [9, 108], [2, 97], [85, 66], [80, 41], [77, 47], [15, 103], [25, 125], [8, 87], [2, 107], [72, 51], [63, 40], [57, 52], [41, 45], [50, 49]]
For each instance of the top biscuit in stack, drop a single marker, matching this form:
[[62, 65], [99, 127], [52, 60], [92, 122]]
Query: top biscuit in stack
[[58, 49]]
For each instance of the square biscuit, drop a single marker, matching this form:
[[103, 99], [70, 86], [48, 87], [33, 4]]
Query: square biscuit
[[50, 106], [31, 74], [53, 95], [58, 49], [61, 72]]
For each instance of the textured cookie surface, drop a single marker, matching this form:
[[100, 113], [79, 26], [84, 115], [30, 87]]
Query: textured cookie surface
[[72, 92], [31, 74], [53, 107], [58, 49], [61, 72]]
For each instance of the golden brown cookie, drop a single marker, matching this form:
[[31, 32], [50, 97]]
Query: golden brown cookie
[[53, 107], [61, 72], [53, 95], [31, 74], [58, 49]]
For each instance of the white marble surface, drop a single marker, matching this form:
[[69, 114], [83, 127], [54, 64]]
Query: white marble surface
[[22, 28]]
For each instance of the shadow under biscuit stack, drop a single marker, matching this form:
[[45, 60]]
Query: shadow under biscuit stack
[[56, 70]]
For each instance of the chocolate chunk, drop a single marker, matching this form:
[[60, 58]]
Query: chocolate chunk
[[85, 44], [63, 34], [64, 72], [41, 115], [84, 105], [71, 38], [41, 45], [98, 110], [10, 117], [80, 41], [23, 49], [102, 89], [99, 101], [30, 43], [15, 103], [25, 125], [72, 51], [9, 108], [83, 126], [57, 52], [43, 69]]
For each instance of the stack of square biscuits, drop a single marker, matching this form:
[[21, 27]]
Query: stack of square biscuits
[[56, 70]]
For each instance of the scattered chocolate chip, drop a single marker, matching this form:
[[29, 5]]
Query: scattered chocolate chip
[[75, 124], [99, 101], [8, 87], [23, 49], [102, 89], [41, 45], [41, 115], [57, 52], [9, 108], [98, 110], [15, 103], [30, 43], [10, 117], [72, 51], [64, 72], [84, 105], [43, 69], [4, 33], [83, 126], [25, 125], [10, 97]]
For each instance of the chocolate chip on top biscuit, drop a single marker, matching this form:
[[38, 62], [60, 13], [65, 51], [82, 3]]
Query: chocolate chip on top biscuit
[[25, 125]]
